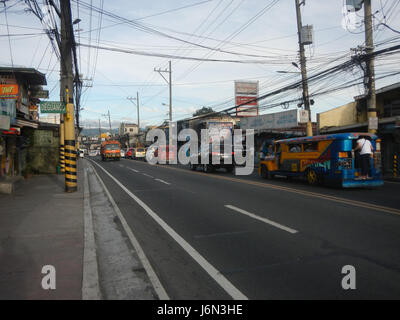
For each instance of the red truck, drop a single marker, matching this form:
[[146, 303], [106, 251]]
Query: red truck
[[110, 150]]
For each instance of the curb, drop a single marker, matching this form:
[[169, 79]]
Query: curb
[[90, 281], [154, 280]]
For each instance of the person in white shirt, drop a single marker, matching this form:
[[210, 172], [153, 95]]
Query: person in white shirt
[[364, 145]]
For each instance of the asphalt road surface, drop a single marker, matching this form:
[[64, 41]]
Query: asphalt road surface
[[219, 236]]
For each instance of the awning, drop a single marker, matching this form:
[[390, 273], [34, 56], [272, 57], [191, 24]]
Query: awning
[[26, 123]]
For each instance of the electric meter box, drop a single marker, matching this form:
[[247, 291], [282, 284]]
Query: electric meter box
[[307, 35]]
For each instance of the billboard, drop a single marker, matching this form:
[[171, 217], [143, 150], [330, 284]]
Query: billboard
[[246, 93], [9, 91], [279, 120]]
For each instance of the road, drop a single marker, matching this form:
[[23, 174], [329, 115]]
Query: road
[[218, 236]]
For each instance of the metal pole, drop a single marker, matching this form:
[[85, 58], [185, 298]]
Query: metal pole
[[67, 89], [109, 122], [137, 100], [306, 99], [370, 72], [170, 104]]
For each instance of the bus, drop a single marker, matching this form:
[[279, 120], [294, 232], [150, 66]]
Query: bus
[[327, 159]]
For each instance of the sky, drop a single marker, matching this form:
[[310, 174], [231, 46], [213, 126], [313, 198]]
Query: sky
[[261, 36]]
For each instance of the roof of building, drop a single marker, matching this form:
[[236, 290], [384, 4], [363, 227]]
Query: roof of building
[[337, 136], [31, 75]]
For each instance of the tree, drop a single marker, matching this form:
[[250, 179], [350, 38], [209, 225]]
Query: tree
[[203, 110]]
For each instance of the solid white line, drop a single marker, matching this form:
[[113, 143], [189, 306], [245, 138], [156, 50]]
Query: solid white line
[[211, 270], [163, 181], [158, 287], [270, 222], [133, 170]]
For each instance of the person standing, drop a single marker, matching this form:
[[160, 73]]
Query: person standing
[[364, 146]]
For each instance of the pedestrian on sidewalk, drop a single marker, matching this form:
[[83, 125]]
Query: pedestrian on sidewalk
[[364, 146]]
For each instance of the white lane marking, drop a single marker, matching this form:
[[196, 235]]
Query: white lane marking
[[133, 170], [163, 181], [270, 222], [210, 269], [147, 175], [121, 166], [158, 287]]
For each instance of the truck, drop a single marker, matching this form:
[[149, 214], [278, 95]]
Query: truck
[[110, 150]]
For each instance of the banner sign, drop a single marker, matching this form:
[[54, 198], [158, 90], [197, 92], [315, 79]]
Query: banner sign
[[280, 120], [53, 107], [40, 94], [8, 91], [245, 93]]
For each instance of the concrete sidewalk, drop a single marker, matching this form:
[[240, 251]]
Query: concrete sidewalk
[[80, 234], [41, 225]]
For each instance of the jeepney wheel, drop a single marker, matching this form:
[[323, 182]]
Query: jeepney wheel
[[265, 174], [312, 177]]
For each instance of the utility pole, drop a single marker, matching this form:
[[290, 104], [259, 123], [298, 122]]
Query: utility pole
[[370, 69], [131, 99], [109, 122], [62, 150], [67, 93], [169, 82], [306, 98], [99, 129]]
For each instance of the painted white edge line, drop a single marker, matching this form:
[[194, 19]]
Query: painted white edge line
[[210, 269], [90, 279], [270, 222], [133, 170], [162, 181], [158, 287]]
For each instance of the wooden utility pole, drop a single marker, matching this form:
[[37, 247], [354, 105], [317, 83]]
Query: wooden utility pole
[[370, 69], [306, 99], [169, 82], [67, 90]]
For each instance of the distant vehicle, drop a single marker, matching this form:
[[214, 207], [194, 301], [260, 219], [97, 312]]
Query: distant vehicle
[[130, 153], [92, 153], [122, 153], [81, 153], [140, 153], [110, 150], [327, 159], [224, 158]]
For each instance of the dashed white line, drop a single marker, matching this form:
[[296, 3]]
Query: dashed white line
[[147, 175], [270, 222], [162, 181], [134, 170]]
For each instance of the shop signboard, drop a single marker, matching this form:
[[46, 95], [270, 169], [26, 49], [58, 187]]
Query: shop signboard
[[4, 122], [279, 120], [40, 94], [53, 107], [246, 94], [8, 108], [8, 91]]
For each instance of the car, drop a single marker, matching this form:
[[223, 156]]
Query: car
[[92, 153], [140, 153], [122, 153], [225, 157], [81, 153], [130, 153]]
